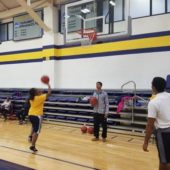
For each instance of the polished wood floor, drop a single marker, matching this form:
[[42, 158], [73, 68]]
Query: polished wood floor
[[65, 148]]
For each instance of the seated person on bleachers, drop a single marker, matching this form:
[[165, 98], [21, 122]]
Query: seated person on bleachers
[[23, 112], [5, 107]]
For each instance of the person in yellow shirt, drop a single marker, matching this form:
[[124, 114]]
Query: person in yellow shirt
[[35, 113]]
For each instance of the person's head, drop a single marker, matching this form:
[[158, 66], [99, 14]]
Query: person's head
[[39, 92], [158, 85], [99, 85], [34, 92]]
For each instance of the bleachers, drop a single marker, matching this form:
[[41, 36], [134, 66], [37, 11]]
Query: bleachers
[[67, 107]]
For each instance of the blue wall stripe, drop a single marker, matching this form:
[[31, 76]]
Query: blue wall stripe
[[21, 61], [22, 51]]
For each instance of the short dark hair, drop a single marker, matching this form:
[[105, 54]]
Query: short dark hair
[[32, 93], [100, 83], [159, 84]]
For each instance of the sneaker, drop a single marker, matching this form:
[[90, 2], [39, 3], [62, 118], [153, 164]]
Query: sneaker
[[20, 122], [32, 148], [95, 139], [29, 138], [24, 122], [104, 139]]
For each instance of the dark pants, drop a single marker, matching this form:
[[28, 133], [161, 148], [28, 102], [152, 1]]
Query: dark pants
[[21, 115], [4, 112], [100, 119]]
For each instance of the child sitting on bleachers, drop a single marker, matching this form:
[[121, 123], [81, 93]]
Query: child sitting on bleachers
[[5, 107]]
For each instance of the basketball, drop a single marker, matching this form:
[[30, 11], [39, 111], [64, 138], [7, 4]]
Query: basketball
[[83, 129], [45, 79], [90, 130], [93, 101]]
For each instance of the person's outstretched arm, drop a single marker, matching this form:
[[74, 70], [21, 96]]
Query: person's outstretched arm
[[49, 90]]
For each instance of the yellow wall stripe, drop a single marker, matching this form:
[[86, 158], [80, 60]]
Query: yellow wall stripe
[[21, 56], [116, 46], [134, 44]]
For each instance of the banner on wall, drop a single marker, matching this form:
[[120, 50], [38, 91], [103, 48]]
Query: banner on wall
[[26, 28]]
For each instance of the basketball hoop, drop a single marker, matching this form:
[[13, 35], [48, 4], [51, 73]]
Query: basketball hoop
[[89, 33]]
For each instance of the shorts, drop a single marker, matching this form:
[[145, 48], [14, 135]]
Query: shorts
[[36, 123], [163, 144]]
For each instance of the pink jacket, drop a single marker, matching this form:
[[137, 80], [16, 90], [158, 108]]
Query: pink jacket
[[122, 103]]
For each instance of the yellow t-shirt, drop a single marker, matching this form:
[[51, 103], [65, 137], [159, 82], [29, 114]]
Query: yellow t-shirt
[[36, 105]]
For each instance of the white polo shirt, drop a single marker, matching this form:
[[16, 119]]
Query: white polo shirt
[[159, 108]]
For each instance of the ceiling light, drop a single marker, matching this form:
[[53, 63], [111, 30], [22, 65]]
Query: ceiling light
[[85, 10], [112, 3]]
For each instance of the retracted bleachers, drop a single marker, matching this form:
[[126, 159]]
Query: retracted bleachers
[[70, 107]]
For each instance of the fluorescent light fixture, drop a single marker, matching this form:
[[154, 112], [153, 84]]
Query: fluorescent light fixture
[[85, 10], [112, 3]]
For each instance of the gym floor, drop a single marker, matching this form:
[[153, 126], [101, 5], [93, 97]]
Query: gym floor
[[65, 148]]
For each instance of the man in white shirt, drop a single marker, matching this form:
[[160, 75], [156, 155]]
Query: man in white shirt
[[159, 119]]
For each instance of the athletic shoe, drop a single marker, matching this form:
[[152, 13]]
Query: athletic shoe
[[104, 139], [24, 122], [33, 148], [95, 139], [20, 122]]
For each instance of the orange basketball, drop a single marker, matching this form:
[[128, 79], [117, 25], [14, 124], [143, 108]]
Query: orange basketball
[[83, 129], [45, 79], [90, 130], [93, 101]]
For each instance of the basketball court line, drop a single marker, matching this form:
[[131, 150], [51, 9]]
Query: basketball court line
[[113, 137], [130, 139], [123, 138], [52, 158]]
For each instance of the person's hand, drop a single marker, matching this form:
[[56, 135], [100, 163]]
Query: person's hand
[[145, 147]]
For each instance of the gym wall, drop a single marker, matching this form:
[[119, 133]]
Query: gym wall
[[139, 58]]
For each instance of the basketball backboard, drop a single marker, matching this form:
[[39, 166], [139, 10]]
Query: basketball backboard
[[110, 20]]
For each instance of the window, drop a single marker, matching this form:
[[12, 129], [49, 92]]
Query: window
[[139, 8], [6, 31], [10, 31], [105, 7], [118, 10], [62, 18], [158, 7], [168, 5], [3, 32]]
